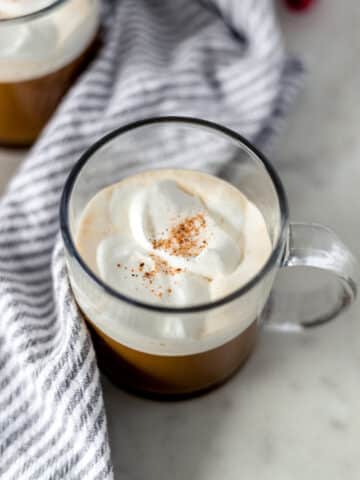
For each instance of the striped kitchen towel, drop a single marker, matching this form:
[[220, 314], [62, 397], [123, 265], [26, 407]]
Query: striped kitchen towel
[[222, 60]]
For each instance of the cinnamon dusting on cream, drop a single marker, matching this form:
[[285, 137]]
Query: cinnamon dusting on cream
[[160, 267], [184, 238]]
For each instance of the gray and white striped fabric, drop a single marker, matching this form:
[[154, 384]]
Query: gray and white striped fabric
[[222, 60]]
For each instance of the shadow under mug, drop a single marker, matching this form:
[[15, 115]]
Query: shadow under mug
[[167, 351]]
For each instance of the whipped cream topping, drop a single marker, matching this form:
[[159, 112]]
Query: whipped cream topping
[[173, 237], [31, 48]]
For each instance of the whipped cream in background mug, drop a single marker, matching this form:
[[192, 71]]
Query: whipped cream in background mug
[[31, 49]]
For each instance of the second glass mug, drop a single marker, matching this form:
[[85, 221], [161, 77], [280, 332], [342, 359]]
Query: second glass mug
[[192, 349], [43, 49]]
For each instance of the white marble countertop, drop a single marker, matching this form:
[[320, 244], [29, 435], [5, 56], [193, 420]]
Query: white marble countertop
[[293, 412]]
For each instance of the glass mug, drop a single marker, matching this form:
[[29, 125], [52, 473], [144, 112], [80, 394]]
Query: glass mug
[[165, 351], [42, 51]]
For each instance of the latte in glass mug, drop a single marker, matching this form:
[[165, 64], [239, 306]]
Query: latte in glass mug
[[44, 45], [176, 238], [174, 231]]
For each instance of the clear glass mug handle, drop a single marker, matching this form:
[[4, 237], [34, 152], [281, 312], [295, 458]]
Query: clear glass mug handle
[[312, 245]]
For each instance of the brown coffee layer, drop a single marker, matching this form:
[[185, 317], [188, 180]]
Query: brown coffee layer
[[26, 107], [171, 376]]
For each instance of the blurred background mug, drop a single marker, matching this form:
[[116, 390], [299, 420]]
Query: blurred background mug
[[170, 351], [44, 45]]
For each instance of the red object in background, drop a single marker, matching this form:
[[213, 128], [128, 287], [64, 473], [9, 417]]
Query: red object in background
[[299, 5]]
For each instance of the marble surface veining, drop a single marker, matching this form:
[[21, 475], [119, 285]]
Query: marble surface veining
[[292, 413]]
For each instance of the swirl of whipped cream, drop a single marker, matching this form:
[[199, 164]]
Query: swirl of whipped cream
[[167, 245]]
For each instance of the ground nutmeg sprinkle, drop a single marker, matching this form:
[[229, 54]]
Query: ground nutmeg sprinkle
[[184, 238]]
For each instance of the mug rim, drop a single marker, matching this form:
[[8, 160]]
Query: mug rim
[[76, 170], [34, 14]]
